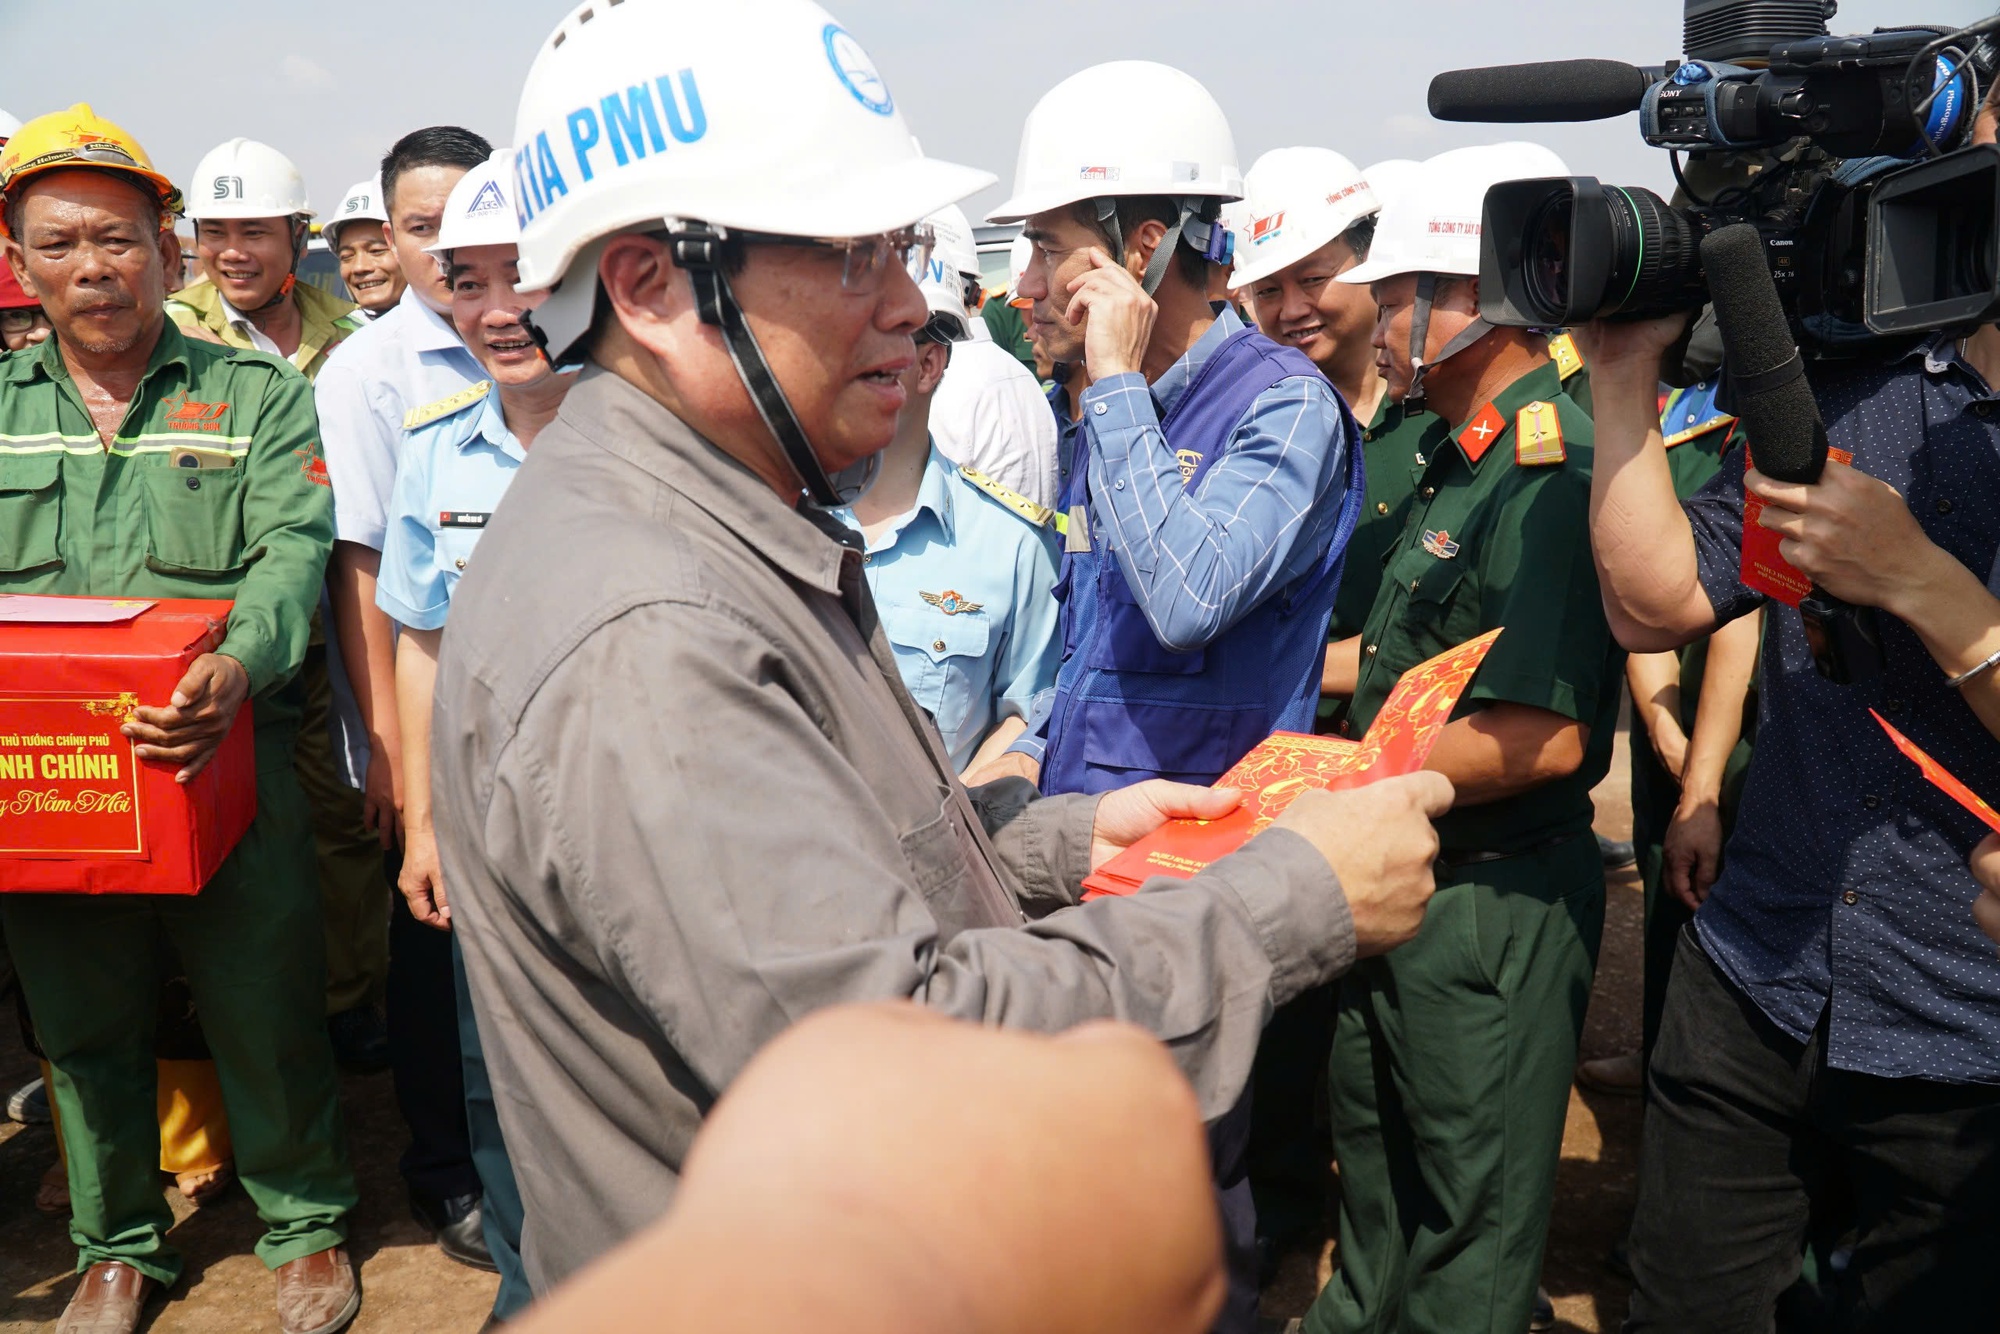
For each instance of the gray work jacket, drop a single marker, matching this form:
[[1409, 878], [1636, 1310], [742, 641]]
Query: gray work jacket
[[683, 799]]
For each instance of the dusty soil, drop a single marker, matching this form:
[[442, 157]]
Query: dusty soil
[[411, 1289]]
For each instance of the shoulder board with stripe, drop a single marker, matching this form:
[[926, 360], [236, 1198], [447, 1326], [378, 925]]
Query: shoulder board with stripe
[[444, 407], [1563, 351], [1039, 515], [1700, 429]]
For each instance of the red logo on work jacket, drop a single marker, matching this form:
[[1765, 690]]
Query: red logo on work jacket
[[314, 467], [188, 414], [1478, 437]]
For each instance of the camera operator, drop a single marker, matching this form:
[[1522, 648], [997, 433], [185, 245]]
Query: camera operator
[[1832, 1028]]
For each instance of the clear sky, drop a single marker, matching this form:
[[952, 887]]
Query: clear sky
[[334, 83]]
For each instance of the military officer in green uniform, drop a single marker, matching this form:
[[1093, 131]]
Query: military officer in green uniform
[[1452, 1056], [137, 463]]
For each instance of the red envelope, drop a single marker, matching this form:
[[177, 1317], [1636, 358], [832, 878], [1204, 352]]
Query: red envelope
[[1941, 776], [1288, 763]]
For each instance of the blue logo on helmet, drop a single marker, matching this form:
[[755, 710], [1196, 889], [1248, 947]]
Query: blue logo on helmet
[[857, 72]]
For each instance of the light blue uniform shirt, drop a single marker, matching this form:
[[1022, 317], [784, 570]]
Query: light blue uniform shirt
[[1263, 515], [454, 471], [964, 589]]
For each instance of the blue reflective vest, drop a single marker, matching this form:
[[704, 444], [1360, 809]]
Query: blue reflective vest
[[1136, 710]]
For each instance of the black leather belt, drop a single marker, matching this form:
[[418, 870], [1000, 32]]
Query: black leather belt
[[1451, 861]]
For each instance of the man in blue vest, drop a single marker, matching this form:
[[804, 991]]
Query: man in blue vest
[[1211, 477]]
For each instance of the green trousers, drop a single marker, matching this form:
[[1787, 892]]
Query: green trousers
[[353, 890], [1449, 1087], [253, 949]]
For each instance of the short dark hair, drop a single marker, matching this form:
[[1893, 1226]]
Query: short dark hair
[[11, 212], [436, 146], [1134, 210], [1360, 237]]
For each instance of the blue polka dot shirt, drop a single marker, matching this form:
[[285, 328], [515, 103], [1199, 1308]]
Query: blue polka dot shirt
[[1845, 891]]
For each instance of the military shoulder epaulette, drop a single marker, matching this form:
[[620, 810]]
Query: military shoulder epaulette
[[1562, 350], [1538, 436], [1700, 429], [1039, 515], [444, 407]]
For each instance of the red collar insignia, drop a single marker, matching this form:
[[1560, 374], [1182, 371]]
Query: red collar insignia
[[1479, 435]]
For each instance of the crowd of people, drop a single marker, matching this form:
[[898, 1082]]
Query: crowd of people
[[677, 597]]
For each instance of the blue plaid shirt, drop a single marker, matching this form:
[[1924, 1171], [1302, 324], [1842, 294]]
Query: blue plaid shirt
[[1262, 516], [1845, 892]]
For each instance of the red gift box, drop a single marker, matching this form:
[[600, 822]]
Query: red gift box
[[79, 812]]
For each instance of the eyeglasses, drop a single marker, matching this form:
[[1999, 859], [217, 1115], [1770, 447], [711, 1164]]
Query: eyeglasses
[[865, 259], [20, 321]]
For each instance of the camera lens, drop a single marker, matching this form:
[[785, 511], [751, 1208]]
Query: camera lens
[[1606, 252], [1655, 256], [1545, 257]]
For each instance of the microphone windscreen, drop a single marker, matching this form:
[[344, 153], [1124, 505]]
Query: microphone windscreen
[[1787, 439], [1547, 91]]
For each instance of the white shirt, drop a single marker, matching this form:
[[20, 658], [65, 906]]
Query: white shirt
[[241, 323], [990, 415], [408, 358]]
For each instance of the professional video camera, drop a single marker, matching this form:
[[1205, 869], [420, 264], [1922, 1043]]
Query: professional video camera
[[1814, 149]]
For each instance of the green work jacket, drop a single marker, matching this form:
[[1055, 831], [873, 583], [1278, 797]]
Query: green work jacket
[[253, 523], [1492, 542]]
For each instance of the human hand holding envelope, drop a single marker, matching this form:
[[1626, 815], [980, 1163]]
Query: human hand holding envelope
[[1288, 763]]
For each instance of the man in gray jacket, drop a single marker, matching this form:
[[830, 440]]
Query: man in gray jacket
[[682, 797]]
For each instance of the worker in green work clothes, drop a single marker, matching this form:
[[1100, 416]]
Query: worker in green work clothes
[[137, 463], [1452, 1057]]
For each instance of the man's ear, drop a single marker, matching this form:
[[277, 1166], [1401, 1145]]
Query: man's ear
[[1140, 243], [170, 252], [933, 360], [639, 279]]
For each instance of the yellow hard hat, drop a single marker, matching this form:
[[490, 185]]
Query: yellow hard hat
[[79, 137]]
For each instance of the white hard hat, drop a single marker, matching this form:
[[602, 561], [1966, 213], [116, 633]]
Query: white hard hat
[[8, 125], [944, 293], [1131, 127], [1433, 225], [362, 202], [955, 244], [1295, 200], [754, 115], [245, 179], [478, 211], [1390, 177], [1019, 255]]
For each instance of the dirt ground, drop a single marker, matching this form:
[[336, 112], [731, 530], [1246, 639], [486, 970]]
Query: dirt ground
[[409, 1288]]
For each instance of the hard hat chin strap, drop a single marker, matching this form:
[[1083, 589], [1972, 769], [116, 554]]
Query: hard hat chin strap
[[301, 233], [1215, 242], [1420, 337], [698, 249]]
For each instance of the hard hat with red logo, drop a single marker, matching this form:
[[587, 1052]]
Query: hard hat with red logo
[[79, 139], [1431, 228], [1129, 128], [1295, 200]]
